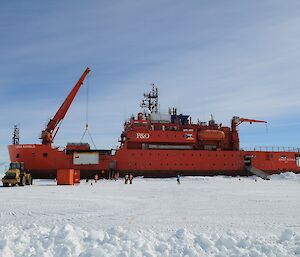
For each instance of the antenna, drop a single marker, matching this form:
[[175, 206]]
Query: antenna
[[150, 100], [16, 135]]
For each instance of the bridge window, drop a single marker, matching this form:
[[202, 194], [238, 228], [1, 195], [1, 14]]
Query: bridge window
[[45, 155]]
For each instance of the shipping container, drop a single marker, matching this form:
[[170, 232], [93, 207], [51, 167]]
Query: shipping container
[[65, 177]]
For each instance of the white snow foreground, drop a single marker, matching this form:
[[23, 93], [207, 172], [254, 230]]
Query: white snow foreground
[[203, 216], [70, 241]]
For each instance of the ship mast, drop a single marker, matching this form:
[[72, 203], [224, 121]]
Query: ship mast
[[150, 100], [16, 135]]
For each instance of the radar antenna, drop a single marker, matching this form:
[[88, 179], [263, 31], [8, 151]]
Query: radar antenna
[[16, 135], [150, 100]]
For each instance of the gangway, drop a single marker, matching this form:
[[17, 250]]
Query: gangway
[[257, 172]]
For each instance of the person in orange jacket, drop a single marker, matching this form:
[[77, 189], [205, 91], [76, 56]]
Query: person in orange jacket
[[130, 178]]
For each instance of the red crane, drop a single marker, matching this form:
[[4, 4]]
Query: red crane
[[53, 125], [236, 121]]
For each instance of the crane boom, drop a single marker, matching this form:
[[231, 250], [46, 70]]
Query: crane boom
[[52, 128], [238, 121], [235, 122]]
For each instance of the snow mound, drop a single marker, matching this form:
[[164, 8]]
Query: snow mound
[[286, 176], [68, 240]]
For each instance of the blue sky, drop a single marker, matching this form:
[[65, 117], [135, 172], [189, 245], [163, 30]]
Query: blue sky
[[222, 57]]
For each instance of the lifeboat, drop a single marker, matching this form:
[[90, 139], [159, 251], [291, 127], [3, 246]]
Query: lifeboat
[[211, 135]]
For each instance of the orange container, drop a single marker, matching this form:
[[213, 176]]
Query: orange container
[[76, 176], [65, 177]]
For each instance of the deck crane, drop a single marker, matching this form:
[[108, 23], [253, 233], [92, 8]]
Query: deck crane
[[53, 125], [235, 122]]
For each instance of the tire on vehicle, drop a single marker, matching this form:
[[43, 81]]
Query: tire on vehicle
[[22, 182], [29, 181]]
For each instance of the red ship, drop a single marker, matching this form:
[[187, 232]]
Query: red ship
[[154, 144]]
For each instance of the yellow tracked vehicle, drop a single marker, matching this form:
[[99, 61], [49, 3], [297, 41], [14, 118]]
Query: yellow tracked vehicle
[[16, 175]]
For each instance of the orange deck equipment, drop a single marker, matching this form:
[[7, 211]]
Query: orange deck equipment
[[65, 177]]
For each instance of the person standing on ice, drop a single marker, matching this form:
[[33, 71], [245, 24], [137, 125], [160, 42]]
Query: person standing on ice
[[178, 179], [126, 178], [96, 178], [116, 176], [130, 178]]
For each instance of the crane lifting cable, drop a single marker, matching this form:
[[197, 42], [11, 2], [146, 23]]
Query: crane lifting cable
[[86, 131]]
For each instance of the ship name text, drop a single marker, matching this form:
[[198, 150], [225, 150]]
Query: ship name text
[[142, 135]]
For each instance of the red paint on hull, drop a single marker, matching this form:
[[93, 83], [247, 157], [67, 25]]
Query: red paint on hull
[[43, 161]]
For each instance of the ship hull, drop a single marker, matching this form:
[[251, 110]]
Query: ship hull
[[43, 161], [160, 163]]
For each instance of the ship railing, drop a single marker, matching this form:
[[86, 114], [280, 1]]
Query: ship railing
[[273, 149]]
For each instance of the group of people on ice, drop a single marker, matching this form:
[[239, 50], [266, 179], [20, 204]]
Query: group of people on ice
[[128, 178]]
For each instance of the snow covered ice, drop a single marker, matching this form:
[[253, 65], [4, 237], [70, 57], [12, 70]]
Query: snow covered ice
[[203, 216]]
